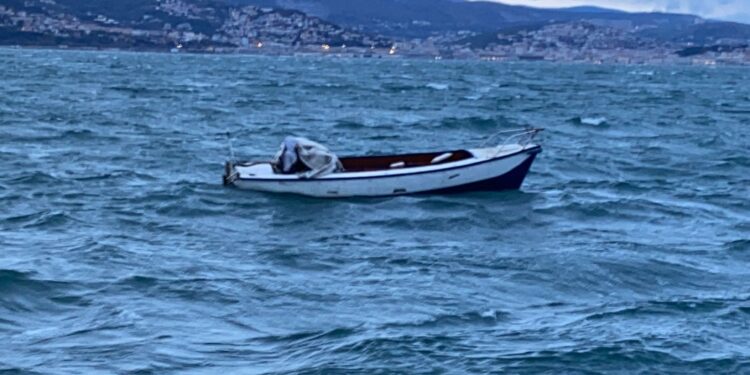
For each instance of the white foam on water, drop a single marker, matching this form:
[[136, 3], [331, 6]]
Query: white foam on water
[[438, 86], [594, 121]]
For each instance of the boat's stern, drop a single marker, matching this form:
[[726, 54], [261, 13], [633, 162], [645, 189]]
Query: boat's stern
[[237, 171]]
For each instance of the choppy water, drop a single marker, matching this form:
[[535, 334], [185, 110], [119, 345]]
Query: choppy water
[[628, 248]]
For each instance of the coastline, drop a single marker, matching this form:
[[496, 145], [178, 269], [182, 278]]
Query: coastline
[[307, 53]]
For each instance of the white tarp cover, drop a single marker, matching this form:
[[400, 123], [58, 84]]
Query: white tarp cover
[[315, 156]]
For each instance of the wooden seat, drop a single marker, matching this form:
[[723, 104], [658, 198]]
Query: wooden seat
[[441, 158]]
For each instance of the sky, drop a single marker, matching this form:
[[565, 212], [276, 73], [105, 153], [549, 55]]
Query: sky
[[729, 10]]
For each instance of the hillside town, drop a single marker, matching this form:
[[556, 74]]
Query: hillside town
[[180, 26], [247, 29]]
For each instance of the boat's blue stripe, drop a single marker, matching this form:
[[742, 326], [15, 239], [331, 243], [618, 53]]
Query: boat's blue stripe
[[532, 151]]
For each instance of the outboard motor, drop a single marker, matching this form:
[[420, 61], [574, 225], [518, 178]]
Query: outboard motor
[[230, 175]]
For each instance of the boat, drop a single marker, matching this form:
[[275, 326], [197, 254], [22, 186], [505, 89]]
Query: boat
[[486, 168]]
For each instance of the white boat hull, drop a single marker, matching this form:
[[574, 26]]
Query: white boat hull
[[489, 169]]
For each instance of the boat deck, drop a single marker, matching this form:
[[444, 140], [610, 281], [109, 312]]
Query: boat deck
[[386, 162]]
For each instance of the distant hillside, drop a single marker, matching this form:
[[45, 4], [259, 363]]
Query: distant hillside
[[708, 32], [414, 18], [203, 25], [375, 28], [420, 18], [590, 9]]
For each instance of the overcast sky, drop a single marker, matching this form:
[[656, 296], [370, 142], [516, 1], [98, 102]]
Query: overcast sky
[[732, 10]]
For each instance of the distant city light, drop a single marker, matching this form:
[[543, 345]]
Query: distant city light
[[392, 51], [259, 44], [325, 47]]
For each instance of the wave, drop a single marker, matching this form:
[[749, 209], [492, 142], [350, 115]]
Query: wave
[[488, 317], [118, 174], [648, 73], [394, 87], [181, 209], [742, 245], [737, 111], [21, 292], [153, 91], [46, 219], [349, 125], [438, 86], [590, 211], [310, 336], [483, 123], [11, 278], [675, 307], [429, 224], [72, 135], [737, 160], [191, 289], [593, 121], [630, 356]]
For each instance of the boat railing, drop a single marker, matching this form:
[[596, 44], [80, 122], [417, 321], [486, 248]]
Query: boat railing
[[521, 137]]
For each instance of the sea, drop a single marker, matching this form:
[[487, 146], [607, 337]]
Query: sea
[[627, 249]]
